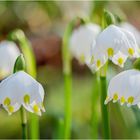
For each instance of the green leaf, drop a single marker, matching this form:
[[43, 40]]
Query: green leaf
[[19, 64]]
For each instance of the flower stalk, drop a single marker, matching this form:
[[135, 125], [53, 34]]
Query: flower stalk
[[94, 116], [67, 79], [106, 21], [66, 57], [24, 123], [19, 37], [104, 109]]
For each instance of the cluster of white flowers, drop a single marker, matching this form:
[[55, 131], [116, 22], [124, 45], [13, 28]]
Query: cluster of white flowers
[[90, 47], [94, 49], [115, 43]]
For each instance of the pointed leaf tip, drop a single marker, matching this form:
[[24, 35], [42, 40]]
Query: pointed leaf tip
[[108, 18], [19, 64], [136, 64]]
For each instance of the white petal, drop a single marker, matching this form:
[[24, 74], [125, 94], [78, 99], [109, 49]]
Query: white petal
[[132, 29], [36, 108], [111, 37], [98, 58], [116, 42], [8, 54], [12, 108], [21, 88], [27, 86], [11, 88], [131, 44], [81, 40], [99, 62], [28, 107], [119, 59], [126, 86], [35, 92]]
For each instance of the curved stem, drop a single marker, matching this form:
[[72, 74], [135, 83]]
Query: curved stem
[[24, 123], [25, 46], [68, 114], [104, 109], [94, 116]]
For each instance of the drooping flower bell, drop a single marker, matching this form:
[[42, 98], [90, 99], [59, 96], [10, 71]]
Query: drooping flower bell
[[113, 43], [21, 89], [132, 29], [8, 54], [125, 88], [81, 41]]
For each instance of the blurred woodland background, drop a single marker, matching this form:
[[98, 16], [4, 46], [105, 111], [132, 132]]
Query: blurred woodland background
[[44, 23]]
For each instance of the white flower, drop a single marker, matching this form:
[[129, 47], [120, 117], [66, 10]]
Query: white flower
[[132, 29], [125, 88], [8, 54], [21, 89], [113, 43], [81, 41]]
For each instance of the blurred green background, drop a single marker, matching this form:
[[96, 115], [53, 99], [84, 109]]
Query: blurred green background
[[44, 23]]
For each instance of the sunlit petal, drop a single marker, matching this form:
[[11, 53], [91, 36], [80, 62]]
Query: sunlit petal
[[125, 88], [21, 89], [81, 40], [116, 44], [8, 54]]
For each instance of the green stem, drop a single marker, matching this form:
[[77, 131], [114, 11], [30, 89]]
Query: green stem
[[34, 126], [24, 123], [107, 19], [67, 80], [94, 116], [104, 108], [31, 69], [66, 56], [68, 113]]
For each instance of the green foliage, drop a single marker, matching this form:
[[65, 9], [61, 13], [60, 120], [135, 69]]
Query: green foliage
[[52, 9]]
